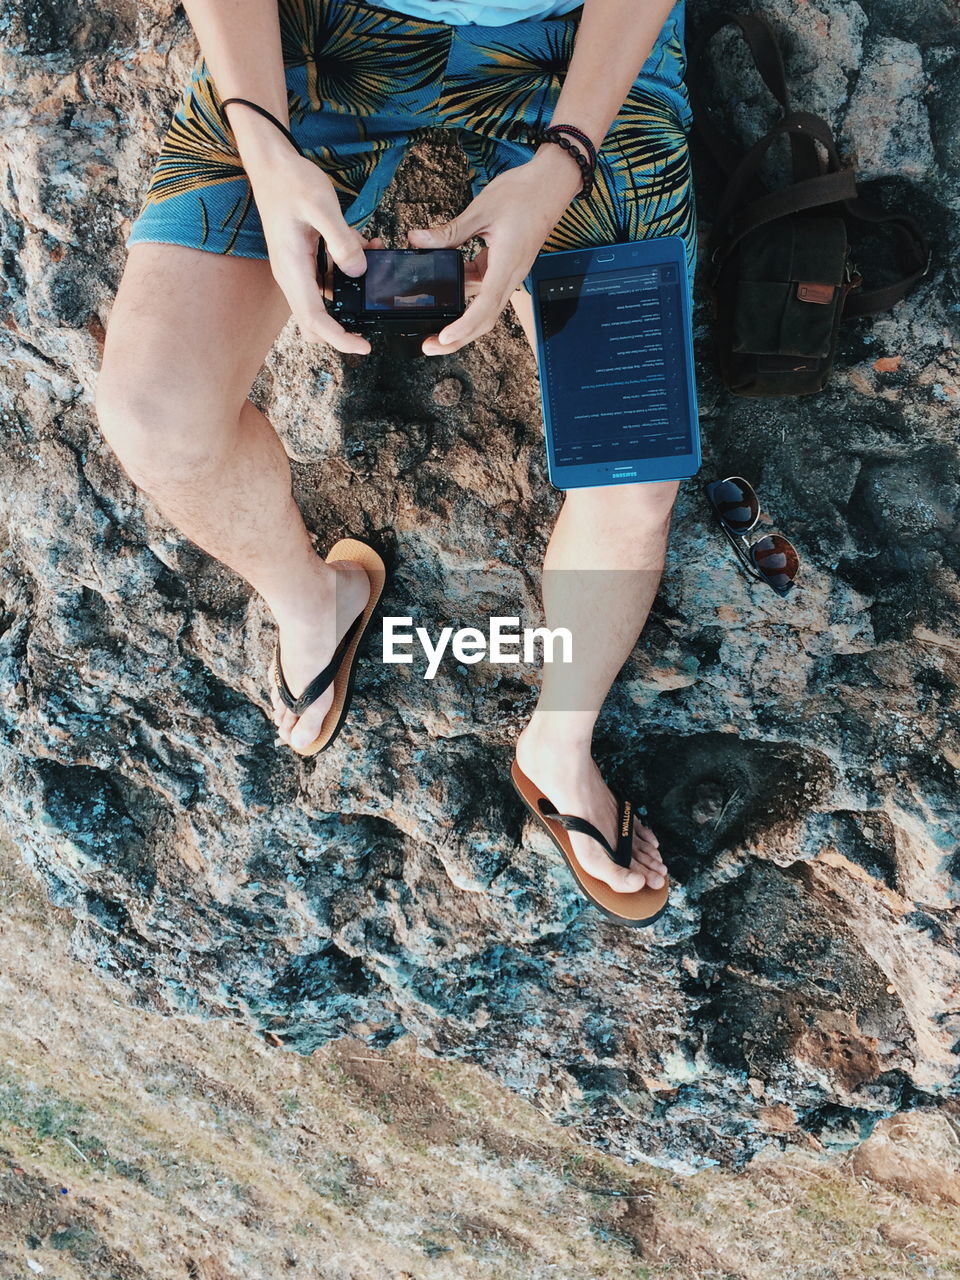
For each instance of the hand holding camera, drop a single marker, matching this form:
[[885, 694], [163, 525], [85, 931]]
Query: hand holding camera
[[409, 293], [513, 215], [295, 200]]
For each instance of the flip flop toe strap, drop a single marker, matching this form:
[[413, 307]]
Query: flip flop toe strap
[[571, 822], [320, 682], [624, 853]]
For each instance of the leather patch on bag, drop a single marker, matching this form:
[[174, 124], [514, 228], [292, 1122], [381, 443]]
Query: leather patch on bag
[[819, 293]]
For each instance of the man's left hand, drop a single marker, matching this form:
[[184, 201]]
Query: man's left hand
[[513, 214]]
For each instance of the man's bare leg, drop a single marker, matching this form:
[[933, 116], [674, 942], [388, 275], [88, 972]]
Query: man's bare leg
[[601, 572], [187, 335]]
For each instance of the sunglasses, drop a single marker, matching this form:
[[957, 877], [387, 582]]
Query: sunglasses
[[771, 559]]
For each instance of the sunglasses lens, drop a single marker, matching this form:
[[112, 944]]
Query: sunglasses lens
[[777, 560], [736, 503]]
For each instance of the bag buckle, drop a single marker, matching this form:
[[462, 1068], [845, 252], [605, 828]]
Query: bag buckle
[[851, 275]]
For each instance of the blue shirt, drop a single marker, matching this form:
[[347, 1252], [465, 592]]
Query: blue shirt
[[456, 12]]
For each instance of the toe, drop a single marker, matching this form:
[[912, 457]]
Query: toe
[[640, 842], [644, 838], [626, 880], [278, 705], [307, 728], [645, 833], [649, 858], [640, 845], [600, 865], [285, 724], [654, 871], [648, 855]]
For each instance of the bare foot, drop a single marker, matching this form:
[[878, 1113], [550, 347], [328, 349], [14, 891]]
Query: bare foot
[[572, 781], [308, 642]]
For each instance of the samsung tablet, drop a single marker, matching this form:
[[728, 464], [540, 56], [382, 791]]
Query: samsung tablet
[[615, 348]]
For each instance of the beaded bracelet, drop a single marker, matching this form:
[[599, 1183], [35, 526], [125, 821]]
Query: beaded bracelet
[[587, 159], [581, 137]]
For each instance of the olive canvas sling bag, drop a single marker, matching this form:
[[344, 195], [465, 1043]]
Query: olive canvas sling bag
[[780, 272]]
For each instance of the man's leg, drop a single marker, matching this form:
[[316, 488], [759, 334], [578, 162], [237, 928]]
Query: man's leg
[[187, 335], [601, 573]]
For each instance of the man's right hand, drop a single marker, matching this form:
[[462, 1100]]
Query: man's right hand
[[297, 204]]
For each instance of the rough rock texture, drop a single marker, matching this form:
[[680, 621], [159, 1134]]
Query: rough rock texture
[[155, 1148], [800, 760]]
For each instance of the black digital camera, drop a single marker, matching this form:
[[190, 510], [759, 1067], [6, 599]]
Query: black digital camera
[[409, 293]]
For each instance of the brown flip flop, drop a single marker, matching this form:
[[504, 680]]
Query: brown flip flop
[[340, 670], [636, 909]]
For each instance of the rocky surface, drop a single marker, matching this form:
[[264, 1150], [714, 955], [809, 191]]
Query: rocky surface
[[148, 1147], [800, 760]]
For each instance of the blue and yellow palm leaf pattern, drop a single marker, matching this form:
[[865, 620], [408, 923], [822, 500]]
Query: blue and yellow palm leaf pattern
[[363, 83], [197, 151], [197, 157], [505, 86], [357, 60], [298, 21], [667, 62], [629, 204], [605, 218], [648, 140], [487, 157], [350, 168]]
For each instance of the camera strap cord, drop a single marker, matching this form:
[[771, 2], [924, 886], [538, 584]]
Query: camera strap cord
[[262, 110]]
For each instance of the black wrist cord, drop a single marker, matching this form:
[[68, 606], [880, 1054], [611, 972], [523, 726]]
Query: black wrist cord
[[282, 127]]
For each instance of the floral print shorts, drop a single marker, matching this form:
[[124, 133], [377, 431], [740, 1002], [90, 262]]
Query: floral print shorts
[[364, 83]]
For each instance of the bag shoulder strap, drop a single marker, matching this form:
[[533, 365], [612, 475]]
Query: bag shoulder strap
[[735, 217], [915, 258], [768, 59]]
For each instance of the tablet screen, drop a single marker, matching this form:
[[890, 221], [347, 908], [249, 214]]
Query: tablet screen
[[613, 363]]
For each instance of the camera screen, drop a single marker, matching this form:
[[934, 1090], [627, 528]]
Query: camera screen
[[400, 280]]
